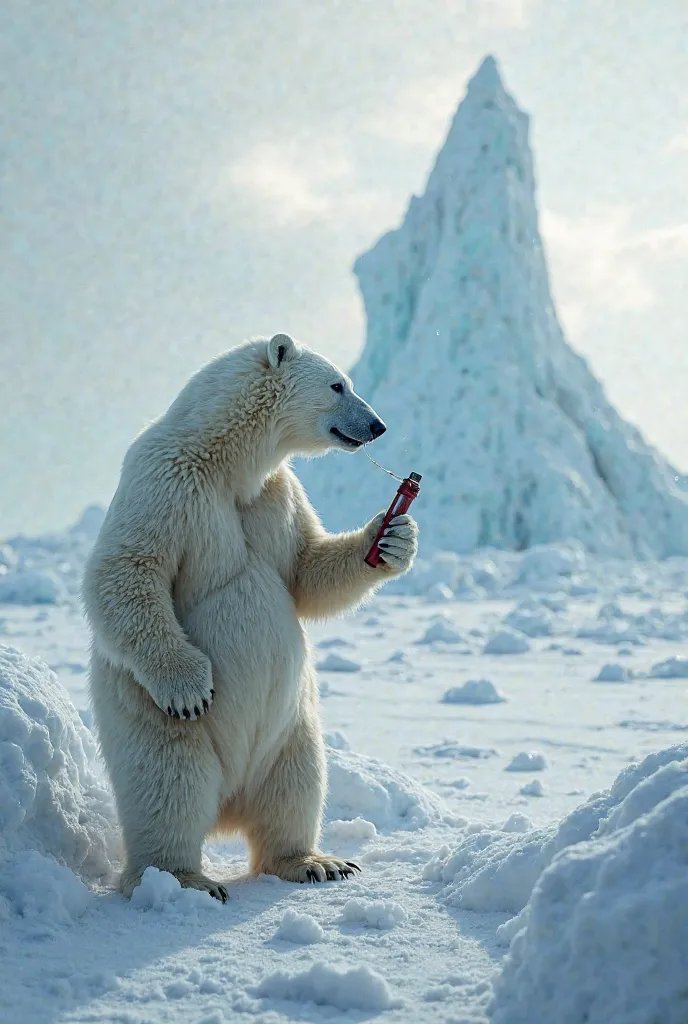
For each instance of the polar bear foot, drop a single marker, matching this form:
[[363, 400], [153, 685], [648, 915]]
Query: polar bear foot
[[192, 880], [314, 867], [187, 879]]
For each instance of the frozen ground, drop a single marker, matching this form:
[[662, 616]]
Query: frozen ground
[[420, 796]]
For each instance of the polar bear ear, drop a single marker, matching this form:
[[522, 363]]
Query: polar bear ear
[[280, 349]]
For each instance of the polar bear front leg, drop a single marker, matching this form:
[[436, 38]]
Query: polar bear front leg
[[283, 816], [332, 575]]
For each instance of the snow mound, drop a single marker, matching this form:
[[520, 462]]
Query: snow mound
[[532, 788], [455, 751], [381, 914], [37, 887], [441, 631], [161, 891], [601, 939], [527, 761], [335, 641], [474, 691], [672, 668], [336, 663], [517, 823], [299, 928], [361, 786], [355, 988], [532, 620], [357, 831], [516, 440], [55, 814], [28, 586], [507, 641], [614, 673], [490, 870], [336, 740], [494, 870]]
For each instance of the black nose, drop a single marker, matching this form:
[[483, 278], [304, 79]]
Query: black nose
[[377, 428]]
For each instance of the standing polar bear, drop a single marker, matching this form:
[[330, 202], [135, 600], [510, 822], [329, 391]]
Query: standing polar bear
[[203, 690]]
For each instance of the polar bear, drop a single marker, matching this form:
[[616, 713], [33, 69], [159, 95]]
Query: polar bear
[[210, 556]]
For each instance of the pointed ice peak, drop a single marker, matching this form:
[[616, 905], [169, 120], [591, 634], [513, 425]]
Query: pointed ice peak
[[486, 81], [487, 121], [466, 363]]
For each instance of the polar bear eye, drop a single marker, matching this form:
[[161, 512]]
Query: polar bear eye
[[337, 387]]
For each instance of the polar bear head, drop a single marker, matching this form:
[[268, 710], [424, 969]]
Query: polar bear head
[[320, 409]]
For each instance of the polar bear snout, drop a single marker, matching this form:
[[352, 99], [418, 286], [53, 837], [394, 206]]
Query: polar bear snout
[[356, 424], [375, 429]]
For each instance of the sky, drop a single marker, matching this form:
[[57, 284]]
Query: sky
[[177, 177]]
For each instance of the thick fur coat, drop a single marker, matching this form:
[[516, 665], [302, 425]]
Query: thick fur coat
[[210, 558]]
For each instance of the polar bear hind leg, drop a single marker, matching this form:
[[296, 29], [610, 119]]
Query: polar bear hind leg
[[282, 817], [167, 780]]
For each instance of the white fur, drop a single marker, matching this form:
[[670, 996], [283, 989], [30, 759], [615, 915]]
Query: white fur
[[210, 556]]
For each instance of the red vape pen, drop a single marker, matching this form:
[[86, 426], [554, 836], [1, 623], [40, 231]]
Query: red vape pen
[[408, 490]]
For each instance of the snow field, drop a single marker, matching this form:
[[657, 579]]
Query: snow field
[[452, 845]]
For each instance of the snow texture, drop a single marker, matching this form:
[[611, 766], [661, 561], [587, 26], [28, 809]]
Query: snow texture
[[466, 362]]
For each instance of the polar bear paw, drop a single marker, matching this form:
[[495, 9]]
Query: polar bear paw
[[193, 880], [399, 543], [131, 878], [314, 867], [186, 690]]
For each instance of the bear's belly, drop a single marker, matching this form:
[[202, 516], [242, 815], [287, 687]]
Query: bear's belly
[[251, 633]]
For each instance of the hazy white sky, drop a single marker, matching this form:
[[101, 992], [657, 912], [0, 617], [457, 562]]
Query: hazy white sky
[[178, 176]]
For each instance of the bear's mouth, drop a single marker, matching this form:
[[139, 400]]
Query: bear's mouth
[[351, 441]]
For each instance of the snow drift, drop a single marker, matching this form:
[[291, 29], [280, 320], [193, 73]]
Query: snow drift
[[466, 362], [362, 786], [604, 936], [599, 936], [57, 820]]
